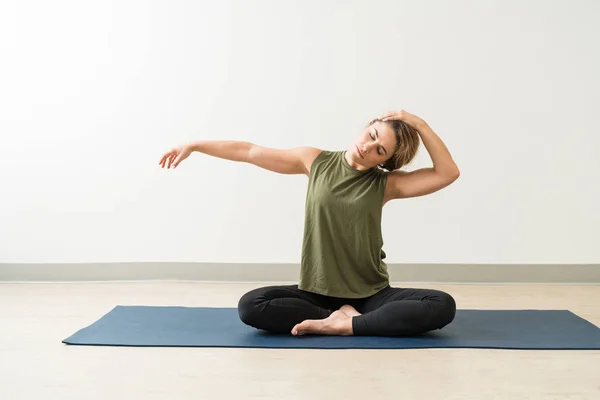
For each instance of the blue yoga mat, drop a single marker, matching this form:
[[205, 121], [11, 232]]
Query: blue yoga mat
[[221, 327]]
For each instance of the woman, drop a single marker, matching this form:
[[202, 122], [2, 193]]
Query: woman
[[344, 285]]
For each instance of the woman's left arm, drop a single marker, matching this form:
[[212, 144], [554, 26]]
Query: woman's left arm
[[423, 181]]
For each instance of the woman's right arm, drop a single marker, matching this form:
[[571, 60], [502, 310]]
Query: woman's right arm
[[284, 161]]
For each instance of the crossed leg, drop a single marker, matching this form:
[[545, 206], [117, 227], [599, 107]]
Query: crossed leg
[[390, 312]]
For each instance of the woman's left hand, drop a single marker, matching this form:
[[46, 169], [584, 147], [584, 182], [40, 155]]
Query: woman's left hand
[[405, 116]]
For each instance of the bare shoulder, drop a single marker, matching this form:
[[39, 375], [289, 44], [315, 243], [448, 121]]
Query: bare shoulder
[[296, 160], [307, 155]]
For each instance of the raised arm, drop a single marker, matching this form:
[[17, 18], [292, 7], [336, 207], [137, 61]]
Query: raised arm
[[402, 184], [284, 161]]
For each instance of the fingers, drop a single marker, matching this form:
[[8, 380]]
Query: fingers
[[177, 161], [394, 115], [389, 115], [172, 158], [168, 158], [162, 160]]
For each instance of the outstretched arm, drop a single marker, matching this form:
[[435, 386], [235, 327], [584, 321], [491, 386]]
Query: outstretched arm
[[284, 161], [423, 181]]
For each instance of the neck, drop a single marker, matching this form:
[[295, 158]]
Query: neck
[[354, 165]]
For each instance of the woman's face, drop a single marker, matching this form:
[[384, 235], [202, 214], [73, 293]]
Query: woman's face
[[373, 146]]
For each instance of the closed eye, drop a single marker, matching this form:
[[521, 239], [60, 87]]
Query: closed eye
[[379, 148], [383, 148]]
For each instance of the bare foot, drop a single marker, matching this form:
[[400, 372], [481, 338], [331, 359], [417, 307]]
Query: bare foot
[[338, 323], [349, 311]]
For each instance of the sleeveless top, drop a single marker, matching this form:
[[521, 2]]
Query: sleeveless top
[[342, 253]]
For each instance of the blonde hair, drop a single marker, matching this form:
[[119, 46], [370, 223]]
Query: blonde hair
[[408, 141]]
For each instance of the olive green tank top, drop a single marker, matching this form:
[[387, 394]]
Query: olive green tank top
[[342, 253]]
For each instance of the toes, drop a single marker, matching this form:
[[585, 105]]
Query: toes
[[304, 327], [296, 330], [299, 329]]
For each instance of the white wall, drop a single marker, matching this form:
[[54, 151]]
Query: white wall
[[92, 93]]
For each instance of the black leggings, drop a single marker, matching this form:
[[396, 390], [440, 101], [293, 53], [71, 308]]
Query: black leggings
[[390, 312]]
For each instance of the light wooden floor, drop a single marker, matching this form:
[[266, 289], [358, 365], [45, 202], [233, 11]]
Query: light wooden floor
[[34, 364]]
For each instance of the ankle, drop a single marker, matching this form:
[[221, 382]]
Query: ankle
[[349, 311]]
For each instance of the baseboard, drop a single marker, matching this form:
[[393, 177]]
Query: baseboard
[[232, 272]]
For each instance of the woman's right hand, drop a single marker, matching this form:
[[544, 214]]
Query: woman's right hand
[[174, 157]]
